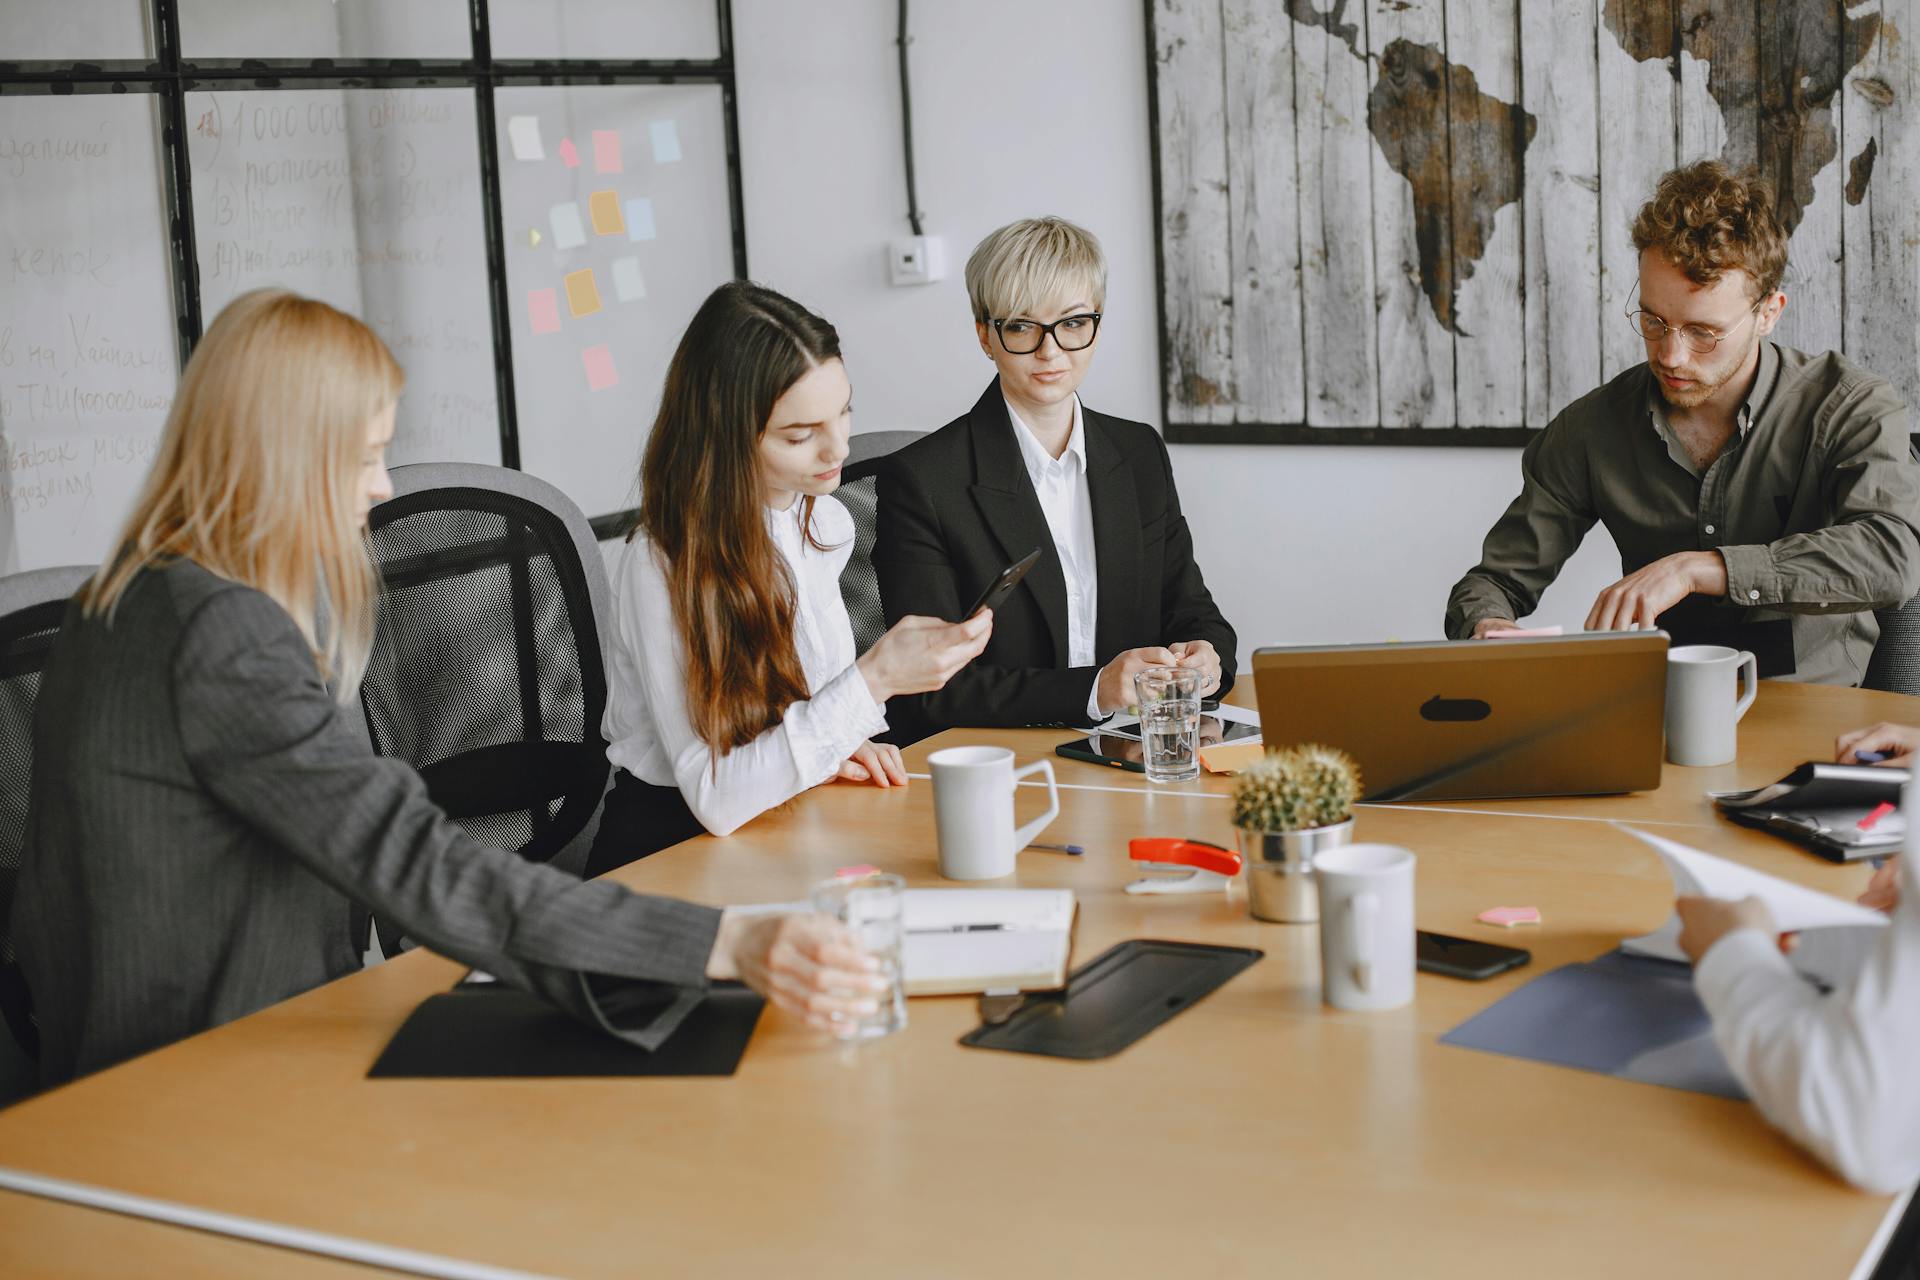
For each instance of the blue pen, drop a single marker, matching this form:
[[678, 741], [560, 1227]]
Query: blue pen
[[1871, 757]]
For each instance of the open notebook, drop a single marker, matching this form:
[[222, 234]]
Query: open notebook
[[971, 940]]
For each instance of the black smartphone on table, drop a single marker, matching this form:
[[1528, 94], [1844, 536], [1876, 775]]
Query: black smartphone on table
[[1003, 584], [1464, 957]]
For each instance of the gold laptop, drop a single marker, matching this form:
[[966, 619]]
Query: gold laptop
[[1480, 719]]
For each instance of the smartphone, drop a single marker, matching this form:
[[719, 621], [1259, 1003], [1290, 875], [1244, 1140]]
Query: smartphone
[[1464, 957], [1003, 584]]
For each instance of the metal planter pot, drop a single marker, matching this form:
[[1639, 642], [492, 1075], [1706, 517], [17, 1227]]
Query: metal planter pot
[[1279, 869]]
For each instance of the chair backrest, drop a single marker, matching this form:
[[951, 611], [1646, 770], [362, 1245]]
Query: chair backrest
[[1895, 665], [31, 607], [859, 587], [487, 673]]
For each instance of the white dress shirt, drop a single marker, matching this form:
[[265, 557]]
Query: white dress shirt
[[1068, 505], [646, 725], [1839, 1073]]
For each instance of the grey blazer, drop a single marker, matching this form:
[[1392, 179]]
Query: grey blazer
[[203, 817]]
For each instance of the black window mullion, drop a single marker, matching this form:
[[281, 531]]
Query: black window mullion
[[490, 202], [179, 180]]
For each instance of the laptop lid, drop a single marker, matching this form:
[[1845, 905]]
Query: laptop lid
[[1484, 719]]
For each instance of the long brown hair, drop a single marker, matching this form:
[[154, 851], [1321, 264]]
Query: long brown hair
[[257, 477], [703, 505]]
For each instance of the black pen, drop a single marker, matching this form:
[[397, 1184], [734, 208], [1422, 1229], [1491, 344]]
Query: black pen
[[1073, 849], [962, 928]]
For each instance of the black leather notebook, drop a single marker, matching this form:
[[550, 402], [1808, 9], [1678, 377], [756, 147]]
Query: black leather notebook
[[480, 1030]]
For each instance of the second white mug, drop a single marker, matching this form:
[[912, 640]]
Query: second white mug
[[973, 810], [1366, 926]]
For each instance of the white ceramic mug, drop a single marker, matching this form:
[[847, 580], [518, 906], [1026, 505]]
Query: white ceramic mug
[[973, 809], [1366, 926], [1704, 701]]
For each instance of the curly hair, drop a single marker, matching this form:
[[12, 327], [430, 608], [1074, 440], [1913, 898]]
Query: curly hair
[[1707, 220]]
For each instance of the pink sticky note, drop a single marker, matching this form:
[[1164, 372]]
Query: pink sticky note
[[569, 154], [600, 371], [1511, 633], [1508, 917], [855, 872], [543, 308], [1880, 811], [606, 151]]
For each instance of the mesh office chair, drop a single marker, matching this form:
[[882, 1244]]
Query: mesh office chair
[[859, 586], [487, 672], [1895, 665], [31, 606]]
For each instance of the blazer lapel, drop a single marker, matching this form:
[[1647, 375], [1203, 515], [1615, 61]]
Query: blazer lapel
[[1004, 495], [1116, 536]]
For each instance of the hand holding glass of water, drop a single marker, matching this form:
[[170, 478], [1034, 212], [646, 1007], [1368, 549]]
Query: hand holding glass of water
[[1169, 700], [873, 907]]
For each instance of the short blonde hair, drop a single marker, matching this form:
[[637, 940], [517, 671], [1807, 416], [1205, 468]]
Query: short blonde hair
[[258, 474], [1027, 264]]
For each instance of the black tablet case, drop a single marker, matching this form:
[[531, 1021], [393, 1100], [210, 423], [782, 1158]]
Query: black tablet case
[[1114, 999], [480, 1030]]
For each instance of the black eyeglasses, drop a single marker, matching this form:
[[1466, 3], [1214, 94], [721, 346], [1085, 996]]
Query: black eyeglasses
[[1070, 333]]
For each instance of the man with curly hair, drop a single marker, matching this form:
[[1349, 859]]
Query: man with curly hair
[[1761, 497]]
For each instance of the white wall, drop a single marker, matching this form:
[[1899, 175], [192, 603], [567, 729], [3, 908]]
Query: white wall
[[1023, 109]]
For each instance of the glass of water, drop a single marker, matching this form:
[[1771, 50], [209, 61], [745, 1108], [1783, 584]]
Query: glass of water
[[1169, 699], [873, 907]]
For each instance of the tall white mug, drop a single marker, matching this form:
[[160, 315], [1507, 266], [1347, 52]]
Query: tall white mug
[[1366, 926], [1705, 702], [973, 809]]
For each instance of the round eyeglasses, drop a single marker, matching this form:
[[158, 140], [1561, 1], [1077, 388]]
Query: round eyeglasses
[[1697, 336], [1070, 333]]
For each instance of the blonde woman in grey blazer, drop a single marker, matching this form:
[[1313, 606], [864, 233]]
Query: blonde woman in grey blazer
[[203, 816]]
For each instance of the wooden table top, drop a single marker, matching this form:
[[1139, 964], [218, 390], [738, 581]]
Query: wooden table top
[[1258, 1133]]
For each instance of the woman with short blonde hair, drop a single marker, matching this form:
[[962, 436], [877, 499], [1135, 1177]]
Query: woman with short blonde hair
[[1116, 590], [203, 818]]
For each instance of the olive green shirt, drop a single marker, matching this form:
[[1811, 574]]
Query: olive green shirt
[[1814, 504]]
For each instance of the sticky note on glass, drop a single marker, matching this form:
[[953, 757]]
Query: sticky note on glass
[[603, 207], [583, 295], [606, 151], [1230, 757], [639, 218], [600, 371], [627, 282], [565, 221], [543, 309], [569, 155], [1509, 917], [666, 141], [523, 134]]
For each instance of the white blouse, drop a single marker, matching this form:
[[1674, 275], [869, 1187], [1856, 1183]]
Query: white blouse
[[646, 725], [1837, 1072]]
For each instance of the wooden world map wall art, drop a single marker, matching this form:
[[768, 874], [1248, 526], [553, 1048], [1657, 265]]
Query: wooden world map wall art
[[1406, 221]]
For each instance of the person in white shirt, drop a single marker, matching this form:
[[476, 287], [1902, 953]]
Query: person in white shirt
[[1116, 589], [733, 683], [1839, 1073]]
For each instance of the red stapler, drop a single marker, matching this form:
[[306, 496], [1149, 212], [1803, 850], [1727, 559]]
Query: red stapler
[[1207, 867]]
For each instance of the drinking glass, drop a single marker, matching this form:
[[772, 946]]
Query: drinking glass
[[873, 907], [1169, 699]]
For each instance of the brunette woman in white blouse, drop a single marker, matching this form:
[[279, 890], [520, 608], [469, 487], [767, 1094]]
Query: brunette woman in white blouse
[[734, 685]]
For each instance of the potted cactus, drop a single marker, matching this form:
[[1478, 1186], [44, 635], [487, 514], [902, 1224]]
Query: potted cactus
[[1295, 802]]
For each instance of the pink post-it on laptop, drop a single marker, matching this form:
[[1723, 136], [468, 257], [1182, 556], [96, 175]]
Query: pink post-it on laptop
[[1513, 633], [1509, 917]]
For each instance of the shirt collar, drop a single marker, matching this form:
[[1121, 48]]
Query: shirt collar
[[1751, 408], [1038, 460]]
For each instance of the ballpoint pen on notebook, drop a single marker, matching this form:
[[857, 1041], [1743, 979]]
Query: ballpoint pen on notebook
[[1073, 849]]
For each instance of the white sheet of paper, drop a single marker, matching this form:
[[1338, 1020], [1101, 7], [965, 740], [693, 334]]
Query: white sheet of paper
[[628, 284], [1794, 908], [523, 132], [568, 231]]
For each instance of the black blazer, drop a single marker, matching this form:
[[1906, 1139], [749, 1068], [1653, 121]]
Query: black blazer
[[958, 506]]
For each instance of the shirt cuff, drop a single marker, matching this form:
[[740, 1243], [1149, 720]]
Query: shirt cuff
[[1751, 577], [839, 716], [1094, 713], [1736, 954]]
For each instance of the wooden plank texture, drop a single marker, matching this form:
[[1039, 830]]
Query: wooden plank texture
[[1881, 109]]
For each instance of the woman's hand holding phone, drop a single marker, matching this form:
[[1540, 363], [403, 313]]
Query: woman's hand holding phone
[[919, 655]]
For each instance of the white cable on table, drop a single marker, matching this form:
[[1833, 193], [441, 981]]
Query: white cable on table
[[256, 1229]]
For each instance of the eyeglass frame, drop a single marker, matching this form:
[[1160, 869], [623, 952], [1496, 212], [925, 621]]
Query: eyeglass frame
[[1681, 329], [1046, 331]]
